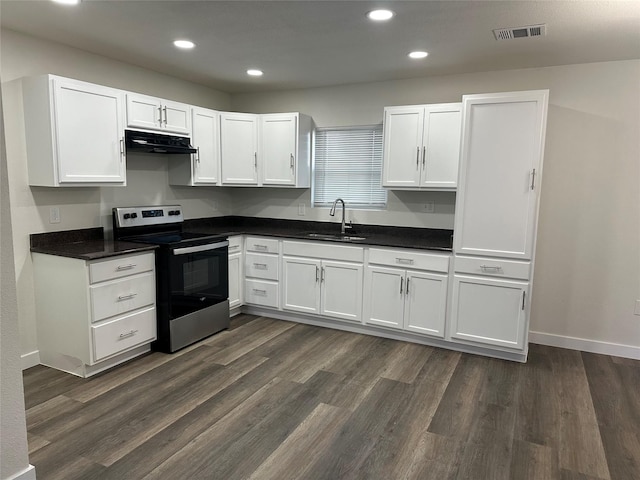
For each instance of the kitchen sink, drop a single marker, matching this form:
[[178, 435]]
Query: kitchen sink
[[335, 236]]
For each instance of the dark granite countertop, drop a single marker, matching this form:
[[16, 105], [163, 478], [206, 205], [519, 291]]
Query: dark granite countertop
[[375, 235], [85, 244]]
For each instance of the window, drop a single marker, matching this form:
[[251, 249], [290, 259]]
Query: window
[[348, 165]]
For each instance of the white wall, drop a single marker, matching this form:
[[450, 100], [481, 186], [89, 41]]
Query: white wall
[[588, 253], [14, 458], [147, 176]]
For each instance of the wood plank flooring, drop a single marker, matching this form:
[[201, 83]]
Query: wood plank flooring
[[269, 399]]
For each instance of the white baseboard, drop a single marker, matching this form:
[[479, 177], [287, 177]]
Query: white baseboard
[[30, 359], [28, 473], [592, 346]]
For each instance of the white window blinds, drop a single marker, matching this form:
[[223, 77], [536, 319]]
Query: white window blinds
[[348, 165]]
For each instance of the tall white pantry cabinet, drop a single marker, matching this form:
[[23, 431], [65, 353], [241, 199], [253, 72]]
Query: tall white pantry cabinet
[[496, 218]]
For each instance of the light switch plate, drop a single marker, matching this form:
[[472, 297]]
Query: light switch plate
[[429, 207], [54, 215], [302, 209]]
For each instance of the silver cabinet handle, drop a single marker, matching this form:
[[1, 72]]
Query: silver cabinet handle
[[401, 282], [197, 154], [404, 261], [121, 149], [489, 268], [322, 274], [255, 160], [292, 160], [424, 155], [234, 247], [165, 115], [258, 291], [260, 266], [523, 295], [128, 334], [119, 268], [260, 247], [127, 297], [317, 271], [407, 289], [160, 113], [533, 179], [417, 157]]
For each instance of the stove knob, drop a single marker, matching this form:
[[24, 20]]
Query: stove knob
[[134, 215], [176, 212], [170, 213], [126, 216]]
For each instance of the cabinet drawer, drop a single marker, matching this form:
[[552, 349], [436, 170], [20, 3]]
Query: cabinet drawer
[[261, 293], [235, 244], [323, 250], [119, 296], [123, 333], [492, 267], [409, 259], [261, 266], [118, 267], [262, 245]]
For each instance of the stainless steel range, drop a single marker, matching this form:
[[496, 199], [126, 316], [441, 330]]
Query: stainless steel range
[[191, 273]]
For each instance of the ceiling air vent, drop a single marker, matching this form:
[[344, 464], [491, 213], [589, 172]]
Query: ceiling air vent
[[520, 32]]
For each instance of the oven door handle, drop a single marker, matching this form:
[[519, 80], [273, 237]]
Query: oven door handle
[[200, 248]]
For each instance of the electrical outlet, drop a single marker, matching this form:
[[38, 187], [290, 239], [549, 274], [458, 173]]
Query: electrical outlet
[[54, 215], [637, 309], [429, 207], [302, 209]]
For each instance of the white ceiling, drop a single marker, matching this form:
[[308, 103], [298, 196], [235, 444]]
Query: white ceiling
[[301, 44]]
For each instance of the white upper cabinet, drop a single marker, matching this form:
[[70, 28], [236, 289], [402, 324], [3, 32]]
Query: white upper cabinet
[[422, 146], [157, 114], [74, 133], [284, 152], [239, 148], [201, 168], [500, 170]]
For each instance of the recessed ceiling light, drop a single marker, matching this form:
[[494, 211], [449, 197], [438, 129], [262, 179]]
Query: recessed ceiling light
[[380, 15], [255, 72], [186, 44], [67, 2], [418, 54]]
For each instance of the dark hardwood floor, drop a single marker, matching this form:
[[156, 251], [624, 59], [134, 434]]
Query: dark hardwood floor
[[276, 400]]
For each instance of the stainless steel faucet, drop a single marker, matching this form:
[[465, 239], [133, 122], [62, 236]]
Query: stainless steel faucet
[[332, 212]]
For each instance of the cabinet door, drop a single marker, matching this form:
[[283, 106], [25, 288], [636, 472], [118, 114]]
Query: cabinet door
[[206, 140], [489, 311], [426, 303], [144, 111], [176, 117], [442, 145], [342, 286], [239, 147], [496, 205], [235, 280], [278, 134], [384, 297], [301, 291], [89, 133], [403, 129]]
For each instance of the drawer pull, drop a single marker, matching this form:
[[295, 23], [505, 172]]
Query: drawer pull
[[260, 266], [119, 268], [404, 261], [490, 269], [234, 247], [128, 334], [258, 291], [260, 247], [127, 297]]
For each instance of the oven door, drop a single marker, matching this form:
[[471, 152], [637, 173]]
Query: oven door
[[198, 278]]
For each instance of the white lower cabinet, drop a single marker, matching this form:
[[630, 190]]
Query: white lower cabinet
[[261, 272], [406, 299], [92, 315], [236, 278], [489, 311]]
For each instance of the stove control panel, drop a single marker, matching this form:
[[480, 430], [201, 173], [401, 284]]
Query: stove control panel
[[144, 216]]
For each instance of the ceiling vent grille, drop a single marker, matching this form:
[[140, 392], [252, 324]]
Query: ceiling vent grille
[[520, 32]]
